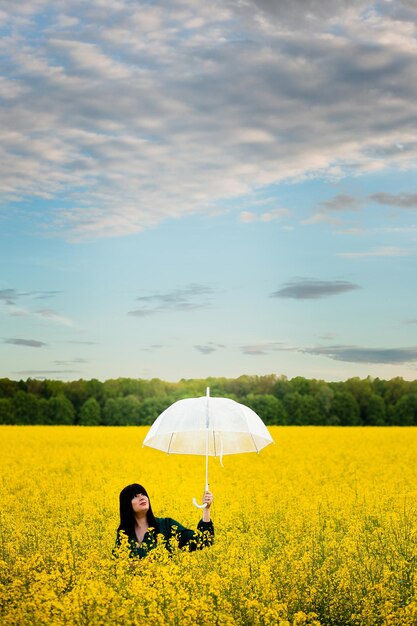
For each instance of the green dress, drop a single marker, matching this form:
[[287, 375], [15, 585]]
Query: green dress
[[169, 529]]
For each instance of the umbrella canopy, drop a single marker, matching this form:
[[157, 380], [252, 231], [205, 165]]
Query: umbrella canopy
[[208, 426], [231, 427]]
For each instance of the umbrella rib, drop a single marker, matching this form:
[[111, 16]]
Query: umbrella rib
[[214, 443], [256, 447], [169, 447], [250, 432]]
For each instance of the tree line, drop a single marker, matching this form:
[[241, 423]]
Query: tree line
[[276, 399]]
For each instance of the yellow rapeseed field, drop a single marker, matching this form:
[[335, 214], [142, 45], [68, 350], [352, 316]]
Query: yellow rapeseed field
[[320, 528]]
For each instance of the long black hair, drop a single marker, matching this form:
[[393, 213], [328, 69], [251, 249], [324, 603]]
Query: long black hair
[[127, 515]]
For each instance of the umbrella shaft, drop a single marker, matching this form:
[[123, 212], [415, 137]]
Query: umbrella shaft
[[207, 435], [207, 441]]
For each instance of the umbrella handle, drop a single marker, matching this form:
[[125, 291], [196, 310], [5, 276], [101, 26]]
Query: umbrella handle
[[199, 506]]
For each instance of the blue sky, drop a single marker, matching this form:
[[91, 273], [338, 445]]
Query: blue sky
[[194, 189]]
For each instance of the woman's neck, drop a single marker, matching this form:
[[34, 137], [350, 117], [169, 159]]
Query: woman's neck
[[141, 521]]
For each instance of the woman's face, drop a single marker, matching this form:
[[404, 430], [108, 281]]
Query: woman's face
[[140, 503]]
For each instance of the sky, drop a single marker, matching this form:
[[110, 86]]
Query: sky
[[193, 189]]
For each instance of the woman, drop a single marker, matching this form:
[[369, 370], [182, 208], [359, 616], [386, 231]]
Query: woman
[[142, 528]]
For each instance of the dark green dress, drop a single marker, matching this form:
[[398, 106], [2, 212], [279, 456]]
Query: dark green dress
[[169, 529]]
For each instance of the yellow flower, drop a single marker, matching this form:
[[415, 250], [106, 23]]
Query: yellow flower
[[319, 529]]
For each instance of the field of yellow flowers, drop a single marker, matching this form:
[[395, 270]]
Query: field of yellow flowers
[[320, 528]]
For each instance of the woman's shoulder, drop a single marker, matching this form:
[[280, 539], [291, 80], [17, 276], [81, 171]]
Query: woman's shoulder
[[165, 521], [167, 524]]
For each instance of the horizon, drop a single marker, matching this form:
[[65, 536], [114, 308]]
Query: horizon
[[204, 380]]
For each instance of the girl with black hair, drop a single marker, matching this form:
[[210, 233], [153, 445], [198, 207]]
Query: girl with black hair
[[142, 528]]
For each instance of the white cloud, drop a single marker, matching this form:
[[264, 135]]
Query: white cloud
[[350, 231], [52, 316], [261, 349], [341, 202], [383, 251], [11, 89], [248, 216], [184, 299], [321, 217], [209, 347], [274, 214], [360, 354], [134, 114], [313, 289], [10, 297], [28, 343], [87, 57]]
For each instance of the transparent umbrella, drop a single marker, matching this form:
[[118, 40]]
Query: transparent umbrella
[[208, 426]]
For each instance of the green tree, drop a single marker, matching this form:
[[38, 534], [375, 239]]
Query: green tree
[[110, 412], [90, 413], [375, 412], [311, 411], [282, 386], [301, 385], [8, 388], [393, 390], [77, 393], [361, 391], [54, 388], [405, 410], [35, 386], [294, 408], [6, 411], [25, 408], [150, 408], [95, 389], [60, 410], [267, 406], [117, 387], [345, 409], [302, 410], [324, 397], [121, 411], [239, 387]]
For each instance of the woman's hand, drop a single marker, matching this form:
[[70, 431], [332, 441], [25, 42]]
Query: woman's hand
[[208, 500]]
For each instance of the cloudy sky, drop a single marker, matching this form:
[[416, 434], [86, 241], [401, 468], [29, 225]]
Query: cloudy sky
[[194, 188]]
